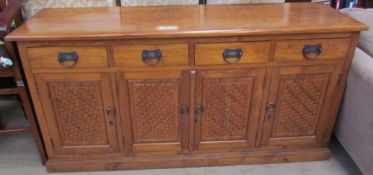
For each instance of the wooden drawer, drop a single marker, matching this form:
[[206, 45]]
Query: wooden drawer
[[155, 54], [251, 52], [293, 50], [63, 57]]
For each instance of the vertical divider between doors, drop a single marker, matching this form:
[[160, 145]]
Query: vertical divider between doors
[[192, 107], [184, 118], [254, 110], [125, 112], [118, 120], [198, 83], [263, 111], [265, 98]]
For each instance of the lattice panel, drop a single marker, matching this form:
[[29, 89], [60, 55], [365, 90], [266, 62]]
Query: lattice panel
[[79, 111], [226, 103], [299, 104], [154, 110]]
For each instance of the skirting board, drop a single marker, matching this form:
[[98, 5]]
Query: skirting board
[[198, 160]]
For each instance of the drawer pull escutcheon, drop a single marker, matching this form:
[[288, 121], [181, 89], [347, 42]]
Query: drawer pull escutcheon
[[228, 54], [151, 57], [312, 51], [64, 57]]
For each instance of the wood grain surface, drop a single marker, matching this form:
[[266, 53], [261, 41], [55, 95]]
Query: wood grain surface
[[112, 111], [183, 21]]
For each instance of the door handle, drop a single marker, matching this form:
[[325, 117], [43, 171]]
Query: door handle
[[110, 111], [184, 109], [198, 113], [199, 110], [271, 107]]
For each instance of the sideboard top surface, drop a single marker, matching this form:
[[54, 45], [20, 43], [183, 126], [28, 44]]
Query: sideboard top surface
[[183, 21]]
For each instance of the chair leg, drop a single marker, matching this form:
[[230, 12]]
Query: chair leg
[[29, 114], [1, 125], [26, 104]]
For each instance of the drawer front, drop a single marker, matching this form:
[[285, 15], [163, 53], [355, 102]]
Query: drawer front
[[232, 53], [151, 55], [68, 57], [312, 49]]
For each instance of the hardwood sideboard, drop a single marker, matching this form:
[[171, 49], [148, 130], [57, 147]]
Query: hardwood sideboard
[[179, 86]]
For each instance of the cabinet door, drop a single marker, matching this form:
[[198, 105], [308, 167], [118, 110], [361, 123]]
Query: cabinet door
[[227, 108], [298, 109], [151, 104], [78, 109]]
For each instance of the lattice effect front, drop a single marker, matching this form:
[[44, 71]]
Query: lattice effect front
[[79, 112], [154, 110], [226, 103], [299, 104]]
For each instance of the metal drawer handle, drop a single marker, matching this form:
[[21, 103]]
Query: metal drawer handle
[[151, 57], [68, 59], [232, 56], [312, 51]]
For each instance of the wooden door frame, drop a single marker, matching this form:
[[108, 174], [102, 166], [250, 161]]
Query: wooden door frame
[[54, 139], [268, 122], [259, 75], [125, 109]]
